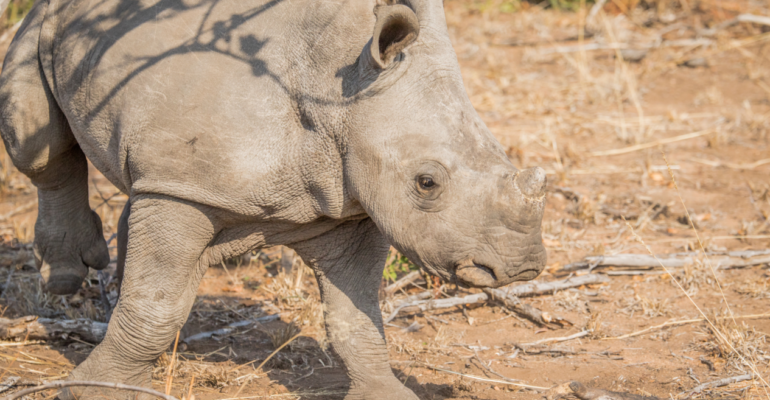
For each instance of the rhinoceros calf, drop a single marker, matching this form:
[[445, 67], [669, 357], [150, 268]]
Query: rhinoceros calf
[[335, 127]]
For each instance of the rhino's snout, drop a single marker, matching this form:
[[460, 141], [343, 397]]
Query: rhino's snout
[[531, 182], [475, 274]]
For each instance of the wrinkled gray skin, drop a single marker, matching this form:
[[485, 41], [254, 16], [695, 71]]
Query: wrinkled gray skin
[[239, 124]]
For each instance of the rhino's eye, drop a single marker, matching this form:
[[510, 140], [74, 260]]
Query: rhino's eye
[[429, 181], [426, 182]]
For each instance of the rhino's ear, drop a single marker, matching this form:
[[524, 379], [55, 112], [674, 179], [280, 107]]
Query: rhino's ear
[[396, 27]]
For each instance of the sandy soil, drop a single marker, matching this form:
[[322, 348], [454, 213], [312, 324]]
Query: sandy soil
[[552, 107]]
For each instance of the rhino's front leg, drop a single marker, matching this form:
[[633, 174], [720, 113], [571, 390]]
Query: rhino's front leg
[[164, 263], [348, 263]]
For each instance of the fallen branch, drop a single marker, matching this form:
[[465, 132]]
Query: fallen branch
[[648, 261], [491, 371], [547, 351], [426, 305], [508, 297], [478, 378], [34, 328], [684, 322], [583, 392], [718, 383], [755, 19], [626, 46], [538, 288], [750, 18], [744, 166], [401, 283], [9, 383], [65, 384], [656, 143], [525, 310], [558, 339]]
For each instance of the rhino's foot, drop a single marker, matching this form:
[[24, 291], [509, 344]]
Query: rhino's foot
[[101, 369], [66, 245], [382, 388]]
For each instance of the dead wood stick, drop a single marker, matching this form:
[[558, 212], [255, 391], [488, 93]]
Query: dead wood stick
[[478, 378], [624, 46], [648, 261], [586, 393], [514, 304], [656, 143], [716, 164], [718, 383], [599, 5], [404, 281], [9, 383], [51, 329], [684, 322], [508, 297], [537, 288], [490, 370], [755, 19], [426, 305], [558, 339], [419, 296], [750, 18], [65, 384], [88, 330]]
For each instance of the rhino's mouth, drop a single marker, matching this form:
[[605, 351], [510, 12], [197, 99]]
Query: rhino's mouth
[[476, 275]]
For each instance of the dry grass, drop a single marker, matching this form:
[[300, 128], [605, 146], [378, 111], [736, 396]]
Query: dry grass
[[754, 289], [741, 346], [279, 336], [642, 305], [568, 300], [24, 295], [694, 276]]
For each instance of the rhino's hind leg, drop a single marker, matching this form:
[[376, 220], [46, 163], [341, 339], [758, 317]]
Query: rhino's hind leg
[[349, 277], [68, 235], [164, 264]]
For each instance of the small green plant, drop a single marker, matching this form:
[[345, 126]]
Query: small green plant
[[397, 262], [17, 10], [504, 6], [568, 5]]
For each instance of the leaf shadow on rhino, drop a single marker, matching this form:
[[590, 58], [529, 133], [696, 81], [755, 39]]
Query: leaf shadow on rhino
[[210, 37]]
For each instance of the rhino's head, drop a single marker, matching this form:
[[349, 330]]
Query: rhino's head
[[424, 165]]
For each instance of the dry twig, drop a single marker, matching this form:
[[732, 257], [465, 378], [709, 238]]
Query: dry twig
[[66, 384], [676, 261], [558, 339], [683, 322], [650, 145], [585, 393], [718, 383], [401, 283]]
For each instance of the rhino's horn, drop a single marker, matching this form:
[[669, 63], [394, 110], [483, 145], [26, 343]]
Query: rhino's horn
[[532, 182]]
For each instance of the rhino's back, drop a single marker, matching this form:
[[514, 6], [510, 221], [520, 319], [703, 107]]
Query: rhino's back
[[196, 100]]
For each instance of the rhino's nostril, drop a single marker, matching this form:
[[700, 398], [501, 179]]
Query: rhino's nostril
[[532, 182]]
